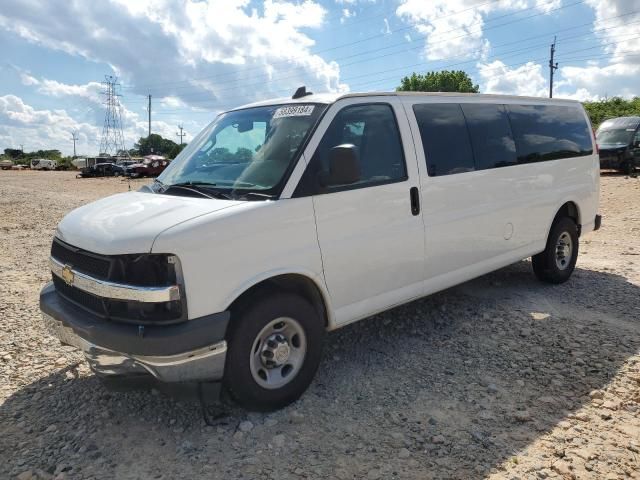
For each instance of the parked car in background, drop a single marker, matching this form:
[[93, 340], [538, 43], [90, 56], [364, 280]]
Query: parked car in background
[[6, 164], [43, 164], [619, 142], [287, 218], [100, 170], [151, 166]]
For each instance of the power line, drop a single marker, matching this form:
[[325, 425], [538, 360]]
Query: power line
[[376, 50], [194, 95], [501, 55], [213, 99]]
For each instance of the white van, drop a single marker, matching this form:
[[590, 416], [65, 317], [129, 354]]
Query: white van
[[288, 218], [43, 164]]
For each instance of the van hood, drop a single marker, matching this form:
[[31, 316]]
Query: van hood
[[130, 222]]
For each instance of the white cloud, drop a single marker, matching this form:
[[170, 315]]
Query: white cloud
[[225, 52], [523, 80], [595, 82], [454, 28], [27, 79], [91, 91], [618, 75], [42, 129]]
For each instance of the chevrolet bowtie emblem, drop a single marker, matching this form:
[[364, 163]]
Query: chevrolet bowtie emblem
[[67, 275]]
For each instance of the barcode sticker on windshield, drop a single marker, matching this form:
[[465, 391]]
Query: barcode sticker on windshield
[[294, 111]]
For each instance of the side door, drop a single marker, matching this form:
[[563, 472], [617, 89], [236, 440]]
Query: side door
[[467, 197], [370, 232]]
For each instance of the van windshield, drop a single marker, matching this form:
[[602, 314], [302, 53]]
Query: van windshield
[[245, 150], [617, 136]]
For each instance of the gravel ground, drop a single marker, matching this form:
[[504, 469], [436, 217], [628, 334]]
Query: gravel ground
[[502, 377]]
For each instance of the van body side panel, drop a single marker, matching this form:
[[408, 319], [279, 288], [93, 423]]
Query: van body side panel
[[479, 221], [221, 259]]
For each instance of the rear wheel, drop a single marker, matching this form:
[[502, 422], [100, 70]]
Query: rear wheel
[[274, 349], [557, 262]]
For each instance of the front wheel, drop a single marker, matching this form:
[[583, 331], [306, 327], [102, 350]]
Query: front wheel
[[274, 350], [557, 262]]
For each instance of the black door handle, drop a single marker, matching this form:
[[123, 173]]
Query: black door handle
[[414, 194]]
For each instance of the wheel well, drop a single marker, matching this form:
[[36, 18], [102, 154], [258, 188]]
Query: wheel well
[[292, 283], [570, 210]]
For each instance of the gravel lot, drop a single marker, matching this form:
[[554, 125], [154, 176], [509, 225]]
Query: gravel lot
[[502, 377]]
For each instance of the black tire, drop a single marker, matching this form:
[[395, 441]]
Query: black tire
[[546, 264], [244, 329]]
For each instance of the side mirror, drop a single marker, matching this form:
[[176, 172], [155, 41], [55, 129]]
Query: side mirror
[[636, 144], [344, 166]]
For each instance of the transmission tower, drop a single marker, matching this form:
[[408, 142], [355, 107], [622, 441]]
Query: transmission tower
[[112, 138]]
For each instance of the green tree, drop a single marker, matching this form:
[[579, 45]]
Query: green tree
[[610, 108], [173, 153], [155, 144], [443, 81], [13, 153]]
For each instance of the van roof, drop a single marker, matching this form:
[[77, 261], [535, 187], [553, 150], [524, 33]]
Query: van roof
[[620, 123], [328, 98]]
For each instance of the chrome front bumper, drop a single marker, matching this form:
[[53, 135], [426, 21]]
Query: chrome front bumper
[[202, 364]]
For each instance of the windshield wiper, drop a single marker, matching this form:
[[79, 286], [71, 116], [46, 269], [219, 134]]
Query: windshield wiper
[[266, 196], [190, 189], [203, 188]]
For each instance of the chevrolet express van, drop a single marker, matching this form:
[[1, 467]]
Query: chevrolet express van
[[286, 219], [618, 140]]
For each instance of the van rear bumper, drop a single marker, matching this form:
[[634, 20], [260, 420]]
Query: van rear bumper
[[191, 351]]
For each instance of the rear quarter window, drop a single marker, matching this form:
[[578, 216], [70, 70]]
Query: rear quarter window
[[549, 132]]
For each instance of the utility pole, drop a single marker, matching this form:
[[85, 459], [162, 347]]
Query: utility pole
[[74, 136], [181, 134], [552, 67], [149, 110]]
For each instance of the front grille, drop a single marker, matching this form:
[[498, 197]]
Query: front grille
[[83, 299], [90, 263], [141, 270]]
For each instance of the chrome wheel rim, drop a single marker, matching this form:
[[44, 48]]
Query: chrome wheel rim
[[564, 251], [277, 353]]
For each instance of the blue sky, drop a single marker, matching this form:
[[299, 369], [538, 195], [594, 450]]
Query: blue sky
[[197, 58]]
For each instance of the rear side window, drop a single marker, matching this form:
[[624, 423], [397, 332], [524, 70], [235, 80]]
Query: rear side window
[[372, 128], [490, 132], [445, 138], [549, 132]]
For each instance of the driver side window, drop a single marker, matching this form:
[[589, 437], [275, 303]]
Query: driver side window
[[373, 130]]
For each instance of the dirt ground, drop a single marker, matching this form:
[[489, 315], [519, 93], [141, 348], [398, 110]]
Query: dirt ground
[[502, 377]]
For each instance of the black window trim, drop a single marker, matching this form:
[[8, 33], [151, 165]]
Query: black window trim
[[302, 192], [505, 106]]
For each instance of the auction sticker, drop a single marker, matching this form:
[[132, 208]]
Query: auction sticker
[[294, 111]]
